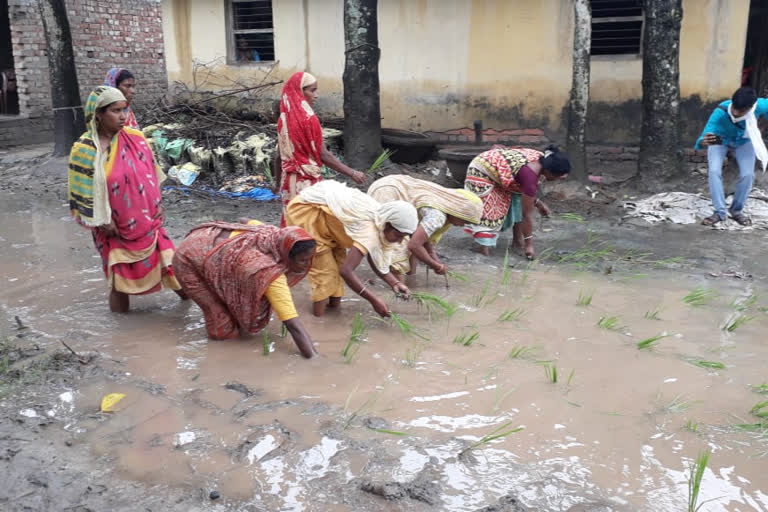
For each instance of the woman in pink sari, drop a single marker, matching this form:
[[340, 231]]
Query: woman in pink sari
[[125, 82], [114, 190]]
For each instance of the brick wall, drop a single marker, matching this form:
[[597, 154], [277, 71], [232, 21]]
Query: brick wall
[[105, 33]]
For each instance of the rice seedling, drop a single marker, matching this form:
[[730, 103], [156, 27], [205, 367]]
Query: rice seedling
[[760, 410], [699, 297], [466, 339], [480, 299], [591, 253], [521, 352], [743, 304], [500, 396], [649, 343], [512, 315], [652, 314], [356, 338], [584, 299], [457, 276], [401, 323], [283, 331], [433, 304], [710, 365], [677, 405], [694, 480], [550, 370], [762, 389], [610, 323], [691, 426], [387, 431], [506, 276], [570, 377], [365, 406], [412, 355], [266, 343], [737, 321], [383, 157], [761, 427], [497, 433], [571, 217]]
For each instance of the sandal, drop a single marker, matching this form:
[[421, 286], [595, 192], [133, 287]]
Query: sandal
[[742, 219], [712, 220]]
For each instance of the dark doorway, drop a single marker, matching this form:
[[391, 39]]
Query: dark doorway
[[9, 97], [756, 52]]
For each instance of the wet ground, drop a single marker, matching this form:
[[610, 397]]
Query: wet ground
[[404, 423]]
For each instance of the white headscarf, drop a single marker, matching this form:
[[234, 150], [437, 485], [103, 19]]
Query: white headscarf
[[364, 218], [753, 132]]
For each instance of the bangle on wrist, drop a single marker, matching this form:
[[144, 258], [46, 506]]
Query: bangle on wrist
[[527, 237]]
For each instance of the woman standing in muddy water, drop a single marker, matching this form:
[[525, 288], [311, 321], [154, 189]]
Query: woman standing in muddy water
[[349, 225], [438, 207], [301, 149], [114, 190], [507, 181], [237, 273], [124, 80]]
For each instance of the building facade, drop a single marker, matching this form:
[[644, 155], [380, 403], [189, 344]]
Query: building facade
[[105, 34]]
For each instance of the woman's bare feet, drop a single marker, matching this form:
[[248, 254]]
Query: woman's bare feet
[[481, 249], [119, 302]]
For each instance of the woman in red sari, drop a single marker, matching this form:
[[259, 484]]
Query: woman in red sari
[[301, 150], [114, 190], [238, 273]]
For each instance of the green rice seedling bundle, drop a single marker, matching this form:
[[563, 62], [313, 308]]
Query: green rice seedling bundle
[[694, 481], [383, 157], [266, 343], [506, 275], [283, 331], [457, 276], [710, 365], [610, 323], [550, 370], [744, 304], [760, 410], [677, 405], [356, 338], [433, 304], [652, 315], [571, 217], [512, 315], [691, 426], [497, 433], [466, 339], [737, 321], [387, 431], [584, 299], [649, 343], [699, 297], [521, 352], [762, 389]]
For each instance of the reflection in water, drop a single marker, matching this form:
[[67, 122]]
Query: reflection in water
[[612, 429]]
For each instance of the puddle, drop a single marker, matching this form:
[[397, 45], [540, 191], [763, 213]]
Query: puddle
[[620, 426]]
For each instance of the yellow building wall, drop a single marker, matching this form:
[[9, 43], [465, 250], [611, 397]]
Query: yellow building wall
[[445, 63]]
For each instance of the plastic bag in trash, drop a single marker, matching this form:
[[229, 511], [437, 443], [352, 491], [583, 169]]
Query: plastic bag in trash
[[185, 174], [175, 148]]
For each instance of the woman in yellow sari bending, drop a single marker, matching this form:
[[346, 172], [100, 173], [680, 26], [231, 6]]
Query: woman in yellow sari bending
[[348, 225], [438, 207]]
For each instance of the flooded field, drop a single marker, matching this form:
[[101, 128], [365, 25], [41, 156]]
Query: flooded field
[[607, 386]]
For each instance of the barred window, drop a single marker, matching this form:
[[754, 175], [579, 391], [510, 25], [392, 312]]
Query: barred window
[[252, 31], [617, 27]]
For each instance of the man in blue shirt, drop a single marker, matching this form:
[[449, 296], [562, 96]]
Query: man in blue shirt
[[733, 125]]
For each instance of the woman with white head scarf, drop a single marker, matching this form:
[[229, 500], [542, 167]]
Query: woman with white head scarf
[[348, 225]]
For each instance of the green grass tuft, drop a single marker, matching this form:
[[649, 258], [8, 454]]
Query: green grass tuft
[[649, 343], [550, 370], [699, 297]]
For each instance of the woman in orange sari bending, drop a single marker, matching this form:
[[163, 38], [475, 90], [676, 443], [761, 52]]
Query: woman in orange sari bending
[[238, 273], [301, 150], [114, 190]]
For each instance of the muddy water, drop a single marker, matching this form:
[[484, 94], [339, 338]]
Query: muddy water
[[618, 428]]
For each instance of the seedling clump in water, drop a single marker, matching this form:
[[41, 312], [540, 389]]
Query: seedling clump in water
[[700, 297], [694, 481], [737, 321], [466, 339], [585, 298], [649, 343], [521, 352], [433, 304], [497, 433], [266, 343], [610, 323], [356, 338], [511, 315]]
